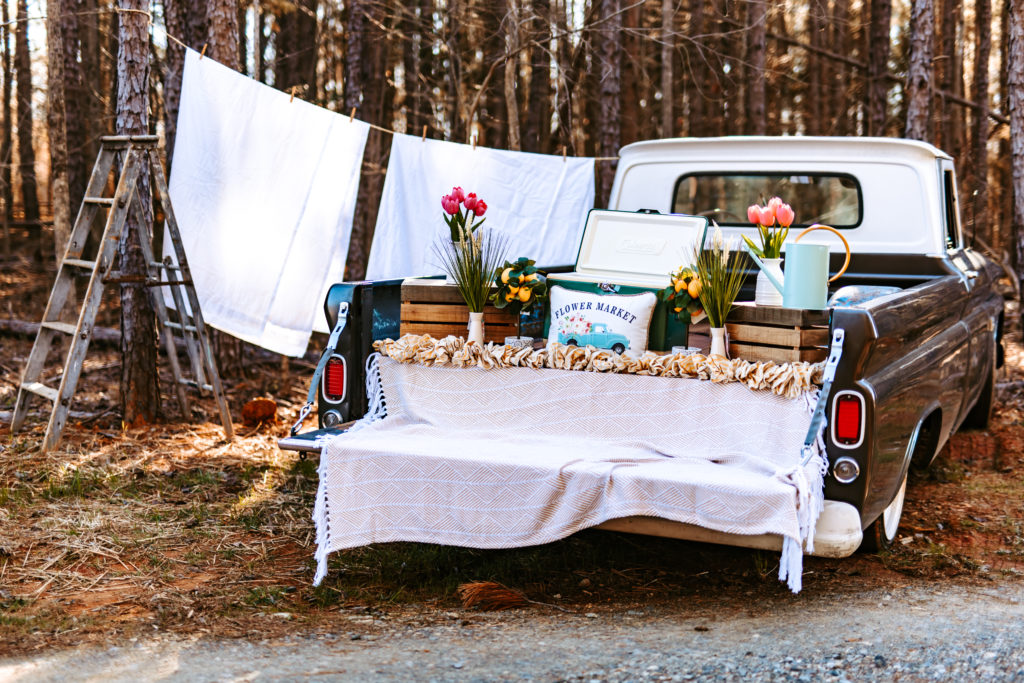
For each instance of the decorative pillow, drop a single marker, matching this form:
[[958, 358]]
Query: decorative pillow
[[619, 322]]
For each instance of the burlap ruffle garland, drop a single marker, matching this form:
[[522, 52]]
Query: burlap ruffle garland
[[783, 379]]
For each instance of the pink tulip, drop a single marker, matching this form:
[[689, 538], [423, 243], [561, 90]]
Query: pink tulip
[[775, 203], [754, 214], [458, 194], [450, 204], [470, 201], [785, 214], [481, 207], [767, 216]]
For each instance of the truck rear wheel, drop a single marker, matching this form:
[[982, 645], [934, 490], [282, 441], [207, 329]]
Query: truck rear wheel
[[618, 348], [882, 532]]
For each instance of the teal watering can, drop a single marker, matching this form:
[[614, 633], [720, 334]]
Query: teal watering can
[[806, 281]]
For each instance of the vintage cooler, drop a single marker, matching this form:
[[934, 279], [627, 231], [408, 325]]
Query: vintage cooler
[[623, 252]]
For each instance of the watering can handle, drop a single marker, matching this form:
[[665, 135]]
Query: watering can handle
[[846, 264]]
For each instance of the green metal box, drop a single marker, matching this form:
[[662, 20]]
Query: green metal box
[[623, 252]]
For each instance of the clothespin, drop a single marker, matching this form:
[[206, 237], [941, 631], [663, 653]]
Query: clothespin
[[203, 53], [474, 141], [293, 89], [351, 114], [563, 154], [424, 138]]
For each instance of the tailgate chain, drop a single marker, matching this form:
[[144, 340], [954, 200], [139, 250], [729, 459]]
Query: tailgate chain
[[828, 376], [332, 343]]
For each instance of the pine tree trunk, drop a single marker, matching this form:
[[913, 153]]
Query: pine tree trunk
[[296, 48], [6, 139], [174, 66], [140, 392], [840, 85], [222, 29], [511, 27], [354, 54], [26, 152], [757, 16], [979, 133], [609, 121], [668, 44], [631, 75], [537, 136], [365, 90], [75, 107], [56, 128], [878, 65], [919, 78], [696, 125], [1015, 87]]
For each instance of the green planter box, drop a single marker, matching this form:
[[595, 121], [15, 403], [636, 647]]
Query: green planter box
[[630, 253]]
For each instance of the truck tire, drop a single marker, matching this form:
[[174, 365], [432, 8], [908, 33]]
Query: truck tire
[[882, 532], [981, 413], [572, 342], [618, 348]]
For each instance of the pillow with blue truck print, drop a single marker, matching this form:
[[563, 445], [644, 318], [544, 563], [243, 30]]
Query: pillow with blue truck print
[[617, 322]]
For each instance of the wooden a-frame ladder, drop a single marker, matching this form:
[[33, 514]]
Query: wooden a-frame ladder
[[136, 151]]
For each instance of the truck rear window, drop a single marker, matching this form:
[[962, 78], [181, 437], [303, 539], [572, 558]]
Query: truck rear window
[[832, 199]]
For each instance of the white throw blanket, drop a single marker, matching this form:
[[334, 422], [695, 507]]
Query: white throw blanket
[[515, 457], [264, 192], [539, 201]]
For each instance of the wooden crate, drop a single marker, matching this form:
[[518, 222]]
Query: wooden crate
[[763, 333], [435, 308]]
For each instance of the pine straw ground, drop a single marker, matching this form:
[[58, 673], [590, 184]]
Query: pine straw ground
[[120, 533]]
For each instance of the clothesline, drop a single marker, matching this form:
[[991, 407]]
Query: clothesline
[[352, 113]]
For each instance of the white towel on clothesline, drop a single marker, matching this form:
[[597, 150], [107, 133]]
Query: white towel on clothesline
[[264, 191], [539, 201]]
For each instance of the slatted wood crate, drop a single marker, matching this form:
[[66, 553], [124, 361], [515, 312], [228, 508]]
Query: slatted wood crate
[[763, 333], [435, 308]]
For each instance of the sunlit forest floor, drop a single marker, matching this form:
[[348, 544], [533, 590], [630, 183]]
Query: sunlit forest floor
[[120, 533]]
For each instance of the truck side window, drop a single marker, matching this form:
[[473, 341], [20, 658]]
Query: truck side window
[[952, 211]]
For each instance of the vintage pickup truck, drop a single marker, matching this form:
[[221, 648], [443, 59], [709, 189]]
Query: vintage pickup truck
[[921, 316]]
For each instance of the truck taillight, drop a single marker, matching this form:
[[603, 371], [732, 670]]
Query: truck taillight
[[334, 379], [848, 419]]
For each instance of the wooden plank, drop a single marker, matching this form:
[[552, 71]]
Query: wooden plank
[[492, 333], [451, 313], [417, 289], [753, 352], [747, 312], [778, 336]]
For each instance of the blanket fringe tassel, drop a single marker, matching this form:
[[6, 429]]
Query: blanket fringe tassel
[[809, 482], [376, 411]]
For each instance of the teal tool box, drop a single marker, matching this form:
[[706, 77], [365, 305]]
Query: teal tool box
[[623, 252]]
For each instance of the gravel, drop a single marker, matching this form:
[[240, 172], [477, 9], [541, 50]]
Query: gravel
[[920, 632]]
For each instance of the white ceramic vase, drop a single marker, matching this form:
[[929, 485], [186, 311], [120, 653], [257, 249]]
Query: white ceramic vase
[[476, 328], [766, 294], [718, 347]]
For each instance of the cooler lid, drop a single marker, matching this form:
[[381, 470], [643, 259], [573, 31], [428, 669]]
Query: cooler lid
[[620, 245]]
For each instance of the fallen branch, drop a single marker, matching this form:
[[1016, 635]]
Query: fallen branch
[[22, 328]]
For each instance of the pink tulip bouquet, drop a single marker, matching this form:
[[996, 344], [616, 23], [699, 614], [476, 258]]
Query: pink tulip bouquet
[[765, 217], [461, 212]]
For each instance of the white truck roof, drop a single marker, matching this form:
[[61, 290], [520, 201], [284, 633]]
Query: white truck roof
[[900, 181]]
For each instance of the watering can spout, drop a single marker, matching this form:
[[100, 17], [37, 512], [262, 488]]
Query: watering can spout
[[767, 273]]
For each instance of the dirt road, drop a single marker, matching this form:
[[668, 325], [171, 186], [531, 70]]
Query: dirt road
[[924, 631]]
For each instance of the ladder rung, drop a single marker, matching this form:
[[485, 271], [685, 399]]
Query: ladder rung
[[168, 266], [66, 328], [40, 389], [99, 201], [177, 326], [80, 263], [192, 383]]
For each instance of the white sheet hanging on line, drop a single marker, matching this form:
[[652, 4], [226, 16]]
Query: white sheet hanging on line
[[540, 201], [264, 191]]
